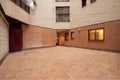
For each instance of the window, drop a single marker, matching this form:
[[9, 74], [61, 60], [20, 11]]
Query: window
[[72, 35], [79, 31], [62, 0], [96, 34], [92, 1], [84, 3], [18, 2], [22, 4], [62, 14], [66, 36]]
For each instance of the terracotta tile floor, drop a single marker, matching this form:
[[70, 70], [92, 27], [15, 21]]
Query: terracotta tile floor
[[61, 63]]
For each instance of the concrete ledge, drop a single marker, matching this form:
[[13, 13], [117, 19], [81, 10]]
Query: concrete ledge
[[38, 47], [117, 51]]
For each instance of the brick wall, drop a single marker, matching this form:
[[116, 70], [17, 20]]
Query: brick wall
[[111, 42], [34, 36], [4, 38]]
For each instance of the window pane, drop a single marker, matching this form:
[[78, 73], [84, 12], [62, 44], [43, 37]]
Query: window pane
[[65, 18], [93, 1], [59, 10], [27, 9], [18, 2], [83, 3], [22, 5], [92, 34], [14, 1], [59, 18], [72, 35], [65, 10], [99, 34], [66, 36]]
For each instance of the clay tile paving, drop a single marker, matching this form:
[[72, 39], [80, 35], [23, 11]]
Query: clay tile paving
[[59, 39]]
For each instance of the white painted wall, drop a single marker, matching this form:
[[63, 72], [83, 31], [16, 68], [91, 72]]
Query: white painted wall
[[45, 13], [97, 12], [4, 37]]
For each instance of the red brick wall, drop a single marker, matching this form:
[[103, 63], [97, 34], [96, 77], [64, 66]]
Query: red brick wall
[[111, 42], [34, 36]]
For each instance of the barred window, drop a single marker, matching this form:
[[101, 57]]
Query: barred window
[[62, 14], [22, 4]]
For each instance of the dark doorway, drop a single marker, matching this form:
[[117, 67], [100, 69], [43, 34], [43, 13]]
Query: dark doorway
[[57, 38], [15, 33], [15, 38]]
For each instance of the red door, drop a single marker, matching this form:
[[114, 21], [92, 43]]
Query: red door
[[15, 40]]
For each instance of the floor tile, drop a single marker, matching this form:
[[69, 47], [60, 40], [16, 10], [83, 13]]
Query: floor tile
[[61, 63]]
